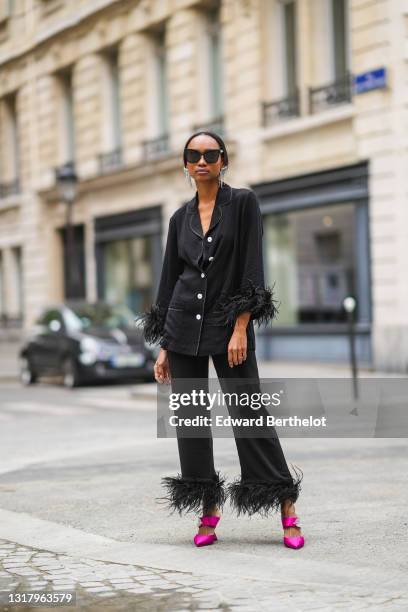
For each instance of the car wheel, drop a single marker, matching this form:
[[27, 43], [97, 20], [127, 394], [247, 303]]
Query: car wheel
[[27, 375], [70, 375]]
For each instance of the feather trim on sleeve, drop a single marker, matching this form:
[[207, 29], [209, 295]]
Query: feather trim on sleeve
[[258, 300], [152, 321]]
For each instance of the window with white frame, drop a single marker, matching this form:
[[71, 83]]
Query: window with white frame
[[66, 116], [287, 16], [5, 11], [157, 138], [14, 139], [209, 53], [111, 156], [331, 57], [112, 122], [339, 23], [281, 49], [160, 61], [215, 63], [329, 19], [11, 155], [16, 256]]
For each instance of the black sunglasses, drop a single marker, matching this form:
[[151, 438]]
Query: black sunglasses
[[210, 155]]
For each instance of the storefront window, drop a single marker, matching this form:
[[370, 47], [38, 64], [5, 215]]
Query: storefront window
[[128, 272], [310, 256]]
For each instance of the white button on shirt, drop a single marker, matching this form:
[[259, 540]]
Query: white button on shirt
[[202, 274], [199, 295], [209, 239], [198, 316], [210, 258]]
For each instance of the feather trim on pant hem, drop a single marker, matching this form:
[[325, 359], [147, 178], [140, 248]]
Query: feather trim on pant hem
[[251, 497], [193, 494]]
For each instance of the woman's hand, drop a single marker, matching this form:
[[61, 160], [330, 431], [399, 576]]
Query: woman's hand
[[237, 346], [161, 368]]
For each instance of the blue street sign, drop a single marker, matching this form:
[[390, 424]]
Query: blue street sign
[[367, 81]]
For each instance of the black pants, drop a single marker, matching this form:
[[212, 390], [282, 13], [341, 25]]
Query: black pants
[[265, 480]]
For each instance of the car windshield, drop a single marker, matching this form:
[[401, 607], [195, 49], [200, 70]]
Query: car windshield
[[102, 315]]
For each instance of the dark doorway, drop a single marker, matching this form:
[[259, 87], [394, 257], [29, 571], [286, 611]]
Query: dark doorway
[[74, 265]]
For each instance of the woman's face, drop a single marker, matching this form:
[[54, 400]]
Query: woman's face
[[202, 171]]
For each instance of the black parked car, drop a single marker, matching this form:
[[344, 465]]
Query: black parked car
[[84, 341]]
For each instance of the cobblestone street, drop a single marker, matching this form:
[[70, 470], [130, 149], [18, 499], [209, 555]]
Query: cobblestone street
[[132, 587]]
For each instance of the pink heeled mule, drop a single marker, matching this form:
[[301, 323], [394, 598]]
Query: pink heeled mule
[[206, 521], [292, 541]]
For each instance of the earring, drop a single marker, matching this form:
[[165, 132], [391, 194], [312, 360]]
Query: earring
[[188, 177], [221, 175]]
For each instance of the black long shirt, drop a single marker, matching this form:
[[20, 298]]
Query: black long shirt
[[208, 280]]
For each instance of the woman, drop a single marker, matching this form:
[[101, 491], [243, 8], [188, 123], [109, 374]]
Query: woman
[[210, 292]]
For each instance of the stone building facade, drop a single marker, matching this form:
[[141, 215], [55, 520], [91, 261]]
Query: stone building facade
[[112, 89]]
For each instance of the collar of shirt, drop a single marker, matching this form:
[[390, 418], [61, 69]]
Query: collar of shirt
[[223, 198]]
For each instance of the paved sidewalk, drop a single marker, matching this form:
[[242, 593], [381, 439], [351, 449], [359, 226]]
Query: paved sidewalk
[[121, 585]]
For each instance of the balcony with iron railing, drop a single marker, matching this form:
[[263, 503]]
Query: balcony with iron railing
[[108, 162], [278, 110], [156, 148], [332, 94], [10, 188], [10, 322]]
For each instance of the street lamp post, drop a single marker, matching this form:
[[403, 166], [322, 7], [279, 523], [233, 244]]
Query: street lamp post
[[349, 304], [67, 180]]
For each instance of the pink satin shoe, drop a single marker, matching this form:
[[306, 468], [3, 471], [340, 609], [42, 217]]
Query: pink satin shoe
[[292, 541], [206, 521]]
